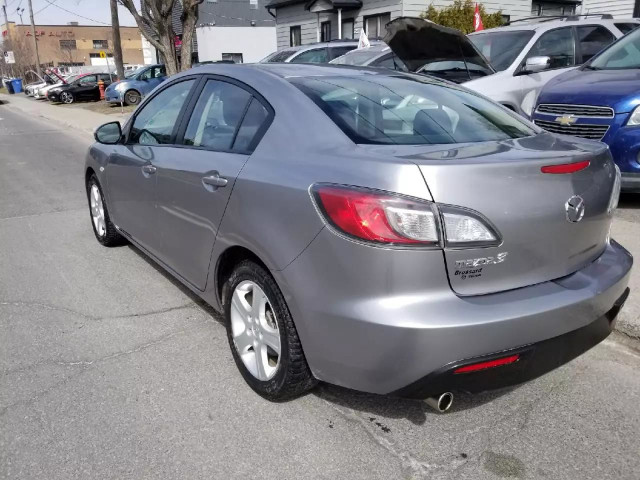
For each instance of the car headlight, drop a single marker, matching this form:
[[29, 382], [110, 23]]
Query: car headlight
[[120, 87], [634, 119]]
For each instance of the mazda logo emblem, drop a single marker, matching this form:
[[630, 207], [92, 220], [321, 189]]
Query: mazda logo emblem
[[575, 209]]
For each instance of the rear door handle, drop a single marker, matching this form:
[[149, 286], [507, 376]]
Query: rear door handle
[[215, 181], [149, 169]]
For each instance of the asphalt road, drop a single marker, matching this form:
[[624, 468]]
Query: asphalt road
[[110, 369]]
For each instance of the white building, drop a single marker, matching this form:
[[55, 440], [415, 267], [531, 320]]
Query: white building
[[242, 31], [307, 21]]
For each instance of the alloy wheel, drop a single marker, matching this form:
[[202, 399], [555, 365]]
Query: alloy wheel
[[255, 330], [97, 210], [66, 97]]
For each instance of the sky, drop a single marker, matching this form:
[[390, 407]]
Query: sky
[[60, 12]]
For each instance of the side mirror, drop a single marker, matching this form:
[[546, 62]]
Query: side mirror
[[537, 64], [109, 133]]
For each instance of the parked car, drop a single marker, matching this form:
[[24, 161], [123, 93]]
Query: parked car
[[85, 87], [600, 101], [387, 232], [50, 78], [132, 89], [322, 52], [418, 45], [527, 54]]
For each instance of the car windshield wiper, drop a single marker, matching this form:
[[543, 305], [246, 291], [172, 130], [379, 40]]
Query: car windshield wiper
[[589, 67]]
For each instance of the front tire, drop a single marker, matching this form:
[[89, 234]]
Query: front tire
[[263, 339], [67, 97], [104, 230], [131, 97]]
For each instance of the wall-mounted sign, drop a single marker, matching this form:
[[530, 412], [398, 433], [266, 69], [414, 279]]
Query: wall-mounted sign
[[9, 57]]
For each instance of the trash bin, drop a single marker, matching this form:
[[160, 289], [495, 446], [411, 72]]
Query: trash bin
[[17, 85], [9, 85]]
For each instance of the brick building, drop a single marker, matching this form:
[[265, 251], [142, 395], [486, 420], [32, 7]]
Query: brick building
[[71, 44]]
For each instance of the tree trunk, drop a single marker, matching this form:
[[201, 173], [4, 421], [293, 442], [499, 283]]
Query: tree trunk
[[117, 46], [189, 17]]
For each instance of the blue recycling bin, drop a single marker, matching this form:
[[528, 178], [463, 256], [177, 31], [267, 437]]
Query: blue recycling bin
[[16, 83], [9, 86]]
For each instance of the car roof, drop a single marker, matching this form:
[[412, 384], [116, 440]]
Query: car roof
[[289, 70], [549, 24]]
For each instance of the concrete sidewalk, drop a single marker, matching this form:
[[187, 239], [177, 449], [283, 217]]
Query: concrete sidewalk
[[76, 118]]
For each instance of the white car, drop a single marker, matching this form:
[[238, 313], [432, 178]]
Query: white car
[[527, 54]]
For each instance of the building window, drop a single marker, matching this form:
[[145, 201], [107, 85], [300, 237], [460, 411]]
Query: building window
[[551, 8], [374, 26], [295, 36], [97, 55], [98, 44], [68, 44], [233, 57], [70, 64], [347, 28], [325, 31], [253, 4]]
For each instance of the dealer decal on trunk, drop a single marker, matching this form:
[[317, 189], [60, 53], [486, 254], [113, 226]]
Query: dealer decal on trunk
[[472, 268]]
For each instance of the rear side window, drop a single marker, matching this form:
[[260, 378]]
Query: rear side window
[[254, 119], [593, 39], [627, 27], [339, 51], [317, 55], [216, 116], [408, 109], [279, 56], [558, 45]]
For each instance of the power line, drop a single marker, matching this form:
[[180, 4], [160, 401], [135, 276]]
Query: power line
[[72, 13]]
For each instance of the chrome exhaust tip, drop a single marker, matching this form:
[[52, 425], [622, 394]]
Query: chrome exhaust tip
[[441, 403]]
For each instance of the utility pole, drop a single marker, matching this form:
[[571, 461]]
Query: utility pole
[[117, 45], [35, 39], [6, 20]]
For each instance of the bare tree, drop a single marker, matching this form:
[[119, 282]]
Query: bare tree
[[154, 21], [189, 17], [117, 45]]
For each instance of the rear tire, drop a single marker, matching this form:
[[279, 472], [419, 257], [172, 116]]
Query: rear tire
[[131, 97], [279, 379], [104, 230]]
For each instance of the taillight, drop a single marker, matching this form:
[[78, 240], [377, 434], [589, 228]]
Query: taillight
[[378, 217], [392, 219], [565, 167]]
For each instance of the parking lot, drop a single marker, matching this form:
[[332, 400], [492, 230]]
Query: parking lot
[[111, 369]]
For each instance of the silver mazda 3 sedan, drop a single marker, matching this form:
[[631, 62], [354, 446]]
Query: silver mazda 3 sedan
[[387, 232]]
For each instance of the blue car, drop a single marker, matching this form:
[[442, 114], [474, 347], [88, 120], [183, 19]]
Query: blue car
[[136, 85], [600, 101]]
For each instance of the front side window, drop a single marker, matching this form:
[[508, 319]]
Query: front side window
[[409, 109], [155, 123], [623, 55], [558, 45], [295, 36], [146, 75], [317, 55], [87, 79], [501, 48], [216, 116], [347, 29], [593, 39]]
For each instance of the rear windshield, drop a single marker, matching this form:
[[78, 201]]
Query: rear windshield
[[501, 48], [409, 109]]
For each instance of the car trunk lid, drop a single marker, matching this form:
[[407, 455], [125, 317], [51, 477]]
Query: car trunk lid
[[503, 181]]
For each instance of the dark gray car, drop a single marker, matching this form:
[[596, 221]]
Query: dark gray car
[[382, 231]]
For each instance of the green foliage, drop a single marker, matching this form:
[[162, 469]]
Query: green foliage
[[460, 16]]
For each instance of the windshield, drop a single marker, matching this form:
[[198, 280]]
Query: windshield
[[624, 54], [455, 71], [357, 57], [133, 73], [409, 109], [501, 47]]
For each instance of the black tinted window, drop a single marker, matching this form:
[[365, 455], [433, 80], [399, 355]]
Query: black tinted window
[[339, 51], [253, 120], [593, 39], [216, 116], [317, 55], [627, 27], [558, 45], [155, 123], [410, 110]]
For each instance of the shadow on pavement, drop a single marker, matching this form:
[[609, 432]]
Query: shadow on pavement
[[629, 200]]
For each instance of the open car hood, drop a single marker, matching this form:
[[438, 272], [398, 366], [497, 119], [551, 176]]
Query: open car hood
[[422, 43]]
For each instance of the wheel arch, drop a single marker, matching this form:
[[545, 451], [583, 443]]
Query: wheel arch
[[226, 263]]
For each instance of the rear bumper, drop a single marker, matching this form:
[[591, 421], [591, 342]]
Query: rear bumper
[[532, 361], [374, 321]]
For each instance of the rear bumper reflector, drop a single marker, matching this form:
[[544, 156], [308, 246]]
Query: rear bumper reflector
[[474, 367], [566, 167]]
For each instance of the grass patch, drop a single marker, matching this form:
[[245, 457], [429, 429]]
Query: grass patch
[[4, 90]]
